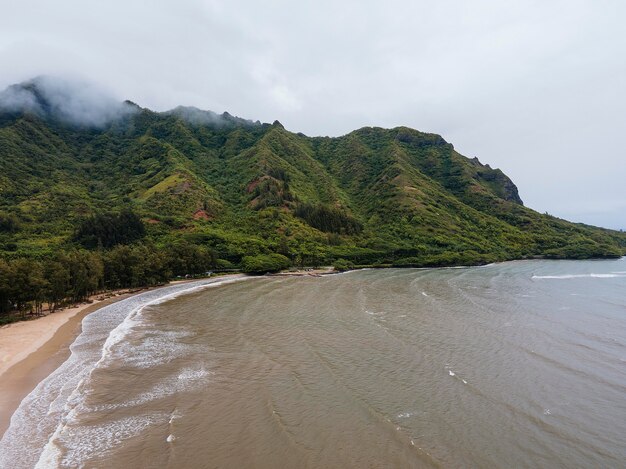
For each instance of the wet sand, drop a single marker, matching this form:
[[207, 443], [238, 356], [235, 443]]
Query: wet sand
[[31, 350], [305, 272]]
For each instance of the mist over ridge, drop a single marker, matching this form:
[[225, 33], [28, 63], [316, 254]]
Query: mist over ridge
[[72, 101]]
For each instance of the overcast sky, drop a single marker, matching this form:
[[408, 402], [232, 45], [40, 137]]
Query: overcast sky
[[536, 88]]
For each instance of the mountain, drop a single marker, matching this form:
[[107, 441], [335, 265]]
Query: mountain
[[71, 159]]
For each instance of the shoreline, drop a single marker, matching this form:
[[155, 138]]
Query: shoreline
[[31, 350], [44, 349], [312, 272]]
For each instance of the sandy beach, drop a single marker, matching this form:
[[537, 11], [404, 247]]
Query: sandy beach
[[31, 350], [305, 272]]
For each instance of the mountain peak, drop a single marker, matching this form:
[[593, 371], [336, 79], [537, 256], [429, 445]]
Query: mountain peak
[[69, 101]]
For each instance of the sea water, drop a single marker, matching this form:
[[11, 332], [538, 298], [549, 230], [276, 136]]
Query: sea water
[[520, 364]]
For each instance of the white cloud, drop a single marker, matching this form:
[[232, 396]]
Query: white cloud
[[534, 87]]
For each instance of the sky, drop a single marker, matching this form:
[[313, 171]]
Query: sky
[[535, 88]]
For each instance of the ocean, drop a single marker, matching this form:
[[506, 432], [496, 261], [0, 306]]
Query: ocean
[[519, 364]]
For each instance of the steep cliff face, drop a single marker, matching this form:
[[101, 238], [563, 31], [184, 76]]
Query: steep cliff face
[[373, 195]]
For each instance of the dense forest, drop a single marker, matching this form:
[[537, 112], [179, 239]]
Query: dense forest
[[26, 284], [137, 197]]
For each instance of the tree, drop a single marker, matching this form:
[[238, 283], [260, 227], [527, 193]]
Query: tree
[[57, 275], [8, 223], [109, 229], [341, 265], [27, 285], [6, 303], [190, 259], [264, 263], [328, 219]]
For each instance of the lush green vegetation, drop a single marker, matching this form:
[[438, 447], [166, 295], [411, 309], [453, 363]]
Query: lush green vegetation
[[155, 195], [110, 229], [341, 265], [264, 263], [328, 219], [27, 284]]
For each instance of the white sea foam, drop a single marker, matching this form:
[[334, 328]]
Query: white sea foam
[[97, 439], [405, 415], [570, 276], [190, 374], [45, 414], [186, 380], [175, 415], [156, 348]]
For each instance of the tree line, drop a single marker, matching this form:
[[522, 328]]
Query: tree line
[[28, 285]]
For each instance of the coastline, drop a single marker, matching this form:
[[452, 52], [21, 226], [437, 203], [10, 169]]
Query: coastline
[[317, 272], [44, 344], [31, 350]]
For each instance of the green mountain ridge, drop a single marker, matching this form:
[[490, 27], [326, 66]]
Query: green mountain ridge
[[240, 188]]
